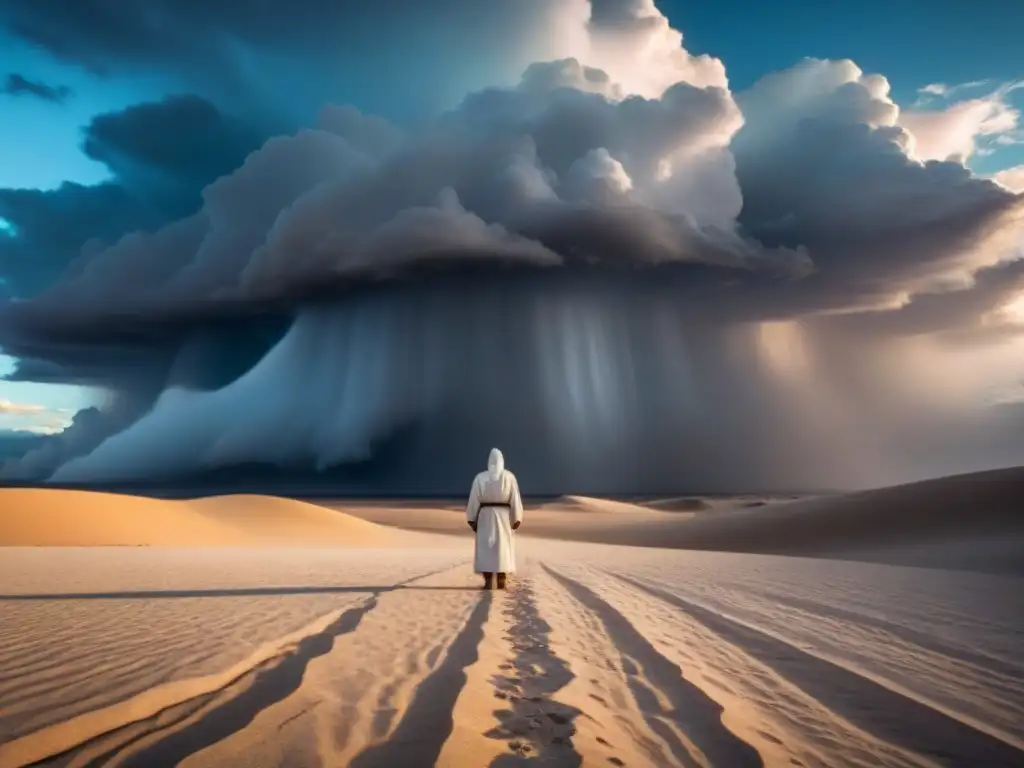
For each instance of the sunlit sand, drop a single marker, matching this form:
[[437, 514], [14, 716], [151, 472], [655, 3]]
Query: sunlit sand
[[244, 631]]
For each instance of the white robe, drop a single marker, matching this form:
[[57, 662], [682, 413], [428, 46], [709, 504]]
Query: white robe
[[495, 541]]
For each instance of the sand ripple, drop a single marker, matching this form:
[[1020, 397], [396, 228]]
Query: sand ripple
[[596, 655]]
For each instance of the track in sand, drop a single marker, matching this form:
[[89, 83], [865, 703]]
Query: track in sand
[[594, 656]]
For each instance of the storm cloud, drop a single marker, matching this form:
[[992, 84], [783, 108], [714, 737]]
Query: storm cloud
[[625, 274], [161, 155]]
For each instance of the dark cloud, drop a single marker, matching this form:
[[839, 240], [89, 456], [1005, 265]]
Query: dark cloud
[[99, 33], [15, 444], [277, 57], [619, 290], [52, 227], [89, 427], [161, 154], [348, 201], [963, 311], [171, 149], [876, 223], [827, 169], [19, 85]]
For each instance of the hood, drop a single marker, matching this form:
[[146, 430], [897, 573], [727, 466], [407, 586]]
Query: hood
[[495, 463]]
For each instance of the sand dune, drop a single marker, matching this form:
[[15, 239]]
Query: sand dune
[[680, 504], [899, 524], [598, 655], [44, 517], [591, 504], [275, 520], [384, 652], [973, 522], [720, 503]]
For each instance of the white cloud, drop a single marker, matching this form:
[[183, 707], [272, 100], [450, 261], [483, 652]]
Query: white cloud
[[953, 132], [33, 418], [1010, 138], [42, 429], [934, 89], [634, 42], [9, 408], [943, 90], [1011, 178]]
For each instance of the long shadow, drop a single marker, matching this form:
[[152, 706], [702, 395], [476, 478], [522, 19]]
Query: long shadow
[[428, 722], [268, 683], [536, 670], [226, 712], [166, 594], [887, 715], [694, 712], [908, 634]]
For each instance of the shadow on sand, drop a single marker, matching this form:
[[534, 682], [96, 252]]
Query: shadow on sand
[[186, 728], [211, 717], [649, 673], [530, 679], [891, 717], [166, 594], [428, 722]]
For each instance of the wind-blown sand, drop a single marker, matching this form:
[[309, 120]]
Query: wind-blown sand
[[389, 654]]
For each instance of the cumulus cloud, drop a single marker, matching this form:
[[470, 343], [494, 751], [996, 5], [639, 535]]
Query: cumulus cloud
[[170, 149], [834, 171], [635, 43], [1011, 178], [952, 132], [70, 438], [668, 269], [161, 154], [540, 174], [21, 420], [50, 227]]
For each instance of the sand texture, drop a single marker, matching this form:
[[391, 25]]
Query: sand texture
[[597, 655], [969, 522], [213, 633], [44, 517]]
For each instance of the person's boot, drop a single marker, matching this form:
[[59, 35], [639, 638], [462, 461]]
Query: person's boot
[[501, 581], [488, 581]]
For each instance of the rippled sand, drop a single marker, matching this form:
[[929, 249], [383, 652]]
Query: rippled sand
[[596, 655]]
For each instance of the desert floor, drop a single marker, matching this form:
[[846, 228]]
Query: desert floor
[[385, 652]]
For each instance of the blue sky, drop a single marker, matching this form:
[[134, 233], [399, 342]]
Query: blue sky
[[912, 42], [39, 140], [40, 148]]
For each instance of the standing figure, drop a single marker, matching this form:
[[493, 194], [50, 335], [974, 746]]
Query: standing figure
[[494, 511]]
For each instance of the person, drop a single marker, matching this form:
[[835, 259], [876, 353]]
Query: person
[[494, 511]]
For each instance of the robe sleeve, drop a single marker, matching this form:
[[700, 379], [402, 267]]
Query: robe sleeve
[[473, 505], [516, 511]]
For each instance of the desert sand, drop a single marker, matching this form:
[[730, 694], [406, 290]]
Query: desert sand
[[43, 517], [198, 641], [965, 522]]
